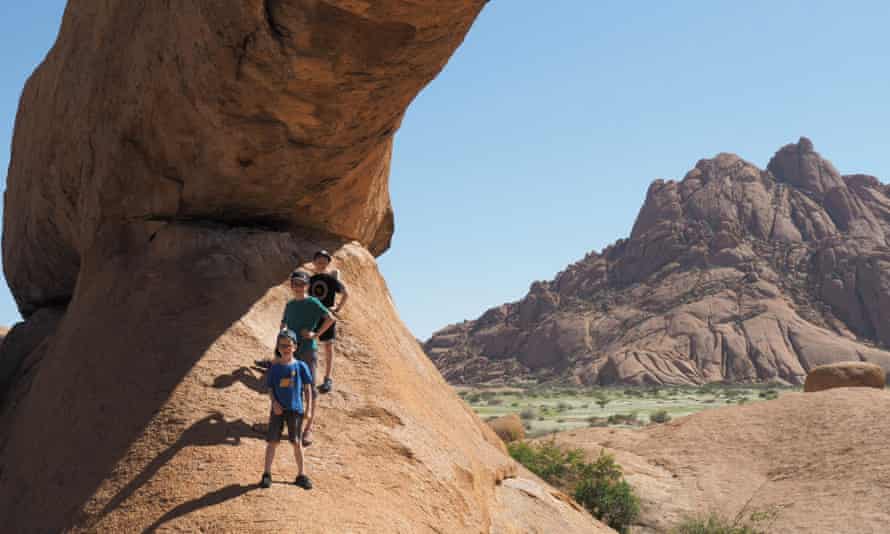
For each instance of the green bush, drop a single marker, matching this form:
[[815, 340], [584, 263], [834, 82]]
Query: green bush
[[756, 522], [527, 414], [612, 502], [563, 406], [599, 485], [597, 421], [547, 460], [713, 524], [624, 419], [661, 416], [769, 394]]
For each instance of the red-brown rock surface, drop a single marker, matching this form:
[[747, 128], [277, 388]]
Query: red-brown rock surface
[[819, 460], [845, 374], [733, 273], [172, 162]]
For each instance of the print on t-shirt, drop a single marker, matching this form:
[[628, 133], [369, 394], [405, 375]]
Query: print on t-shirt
[[324, 287]]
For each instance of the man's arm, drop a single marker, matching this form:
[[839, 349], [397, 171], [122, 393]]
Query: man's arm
[[345, 296], [307, 399], [275, 406], [328, 322]]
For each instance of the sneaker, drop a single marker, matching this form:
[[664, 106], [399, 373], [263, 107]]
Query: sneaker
[[326, 386], [307, 438], [266, 481], [303, 482]]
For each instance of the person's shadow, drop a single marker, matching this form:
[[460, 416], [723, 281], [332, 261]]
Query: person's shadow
[[232, 491], [252, 377], [211, 430]]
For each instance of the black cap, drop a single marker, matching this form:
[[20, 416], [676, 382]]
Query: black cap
[[299, 276], [324, 253]]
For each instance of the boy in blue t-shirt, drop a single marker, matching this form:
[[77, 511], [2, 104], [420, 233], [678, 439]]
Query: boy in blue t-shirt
[[289, 380], [303, 315]]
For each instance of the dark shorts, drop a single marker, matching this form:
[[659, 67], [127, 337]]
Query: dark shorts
[[294, 422], [311, 359], [329, 334]]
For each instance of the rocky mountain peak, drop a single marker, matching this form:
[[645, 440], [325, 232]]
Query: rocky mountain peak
[[732, 273]]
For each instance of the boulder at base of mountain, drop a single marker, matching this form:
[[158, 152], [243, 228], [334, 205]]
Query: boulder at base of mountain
[[845, 375]]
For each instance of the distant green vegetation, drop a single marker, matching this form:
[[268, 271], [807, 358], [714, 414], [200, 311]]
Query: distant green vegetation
[[599, 486], [545, 409]]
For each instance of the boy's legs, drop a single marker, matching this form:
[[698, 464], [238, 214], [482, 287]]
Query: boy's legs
[[270, 456], [328, 350], [273, 436], [310, 357], [326, 341], [294, 435]]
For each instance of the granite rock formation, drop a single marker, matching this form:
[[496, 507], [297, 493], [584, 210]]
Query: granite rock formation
[[732, 274], [172, 162], [845, 375]]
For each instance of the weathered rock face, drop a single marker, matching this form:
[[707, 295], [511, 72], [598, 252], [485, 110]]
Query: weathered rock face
[[171, 165], [844, 375], [275, 112], [733, 273], [818, 462]]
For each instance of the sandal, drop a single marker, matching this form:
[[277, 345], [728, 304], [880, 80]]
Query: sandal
[[326, 386]]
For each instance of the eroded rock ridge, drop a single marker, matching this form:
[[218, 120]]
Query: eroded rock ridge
[[733, 273]]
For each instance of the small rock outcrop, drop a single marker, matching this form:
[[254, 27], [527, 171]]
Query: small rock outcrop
[[845, 375], [732, 274]]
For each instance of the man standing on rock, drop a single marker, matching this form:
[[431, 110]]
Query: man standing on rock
[[324, 285], [303, 315]]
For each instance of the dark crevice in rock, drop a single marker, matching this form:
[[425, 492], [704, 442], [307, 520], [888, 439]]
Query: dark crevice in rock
[[278, 31], [262, 224]]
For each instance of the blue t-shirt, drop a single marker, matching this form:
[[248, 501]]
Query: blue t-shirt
[[286, 381], [305, 314]]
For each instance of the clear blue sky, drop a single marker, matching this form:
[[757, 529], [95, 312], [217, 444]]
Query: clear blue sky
[[537, 142]]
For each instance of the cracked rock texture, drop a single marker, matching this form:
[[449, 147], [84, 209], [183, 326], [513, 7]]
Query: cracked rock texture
[[732, 274], [172, 162]]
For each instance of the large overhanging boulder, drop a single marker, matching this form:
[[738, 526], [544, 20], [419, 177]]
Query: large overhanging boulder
[[172, 162], [277, 113]]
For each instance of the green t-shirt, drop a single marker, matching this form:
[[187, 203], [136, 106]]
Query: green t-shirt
[[304, 314]]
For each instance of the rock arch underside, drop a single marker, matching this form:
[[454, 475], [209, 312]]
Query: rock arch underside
[[172, 162]]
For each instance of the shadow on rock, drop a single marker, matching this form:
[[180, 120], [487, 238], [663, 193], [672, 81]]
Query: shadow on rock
[[213, 498], [145, 312], [212, 430], [252, 377]]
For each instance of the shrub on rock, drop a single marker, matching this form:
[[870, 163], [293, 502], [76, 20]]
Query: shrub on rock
[[509, 428]]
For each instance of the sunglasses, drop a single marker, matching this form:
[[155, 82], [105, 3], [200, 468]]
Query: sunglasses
[[285, 345]]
